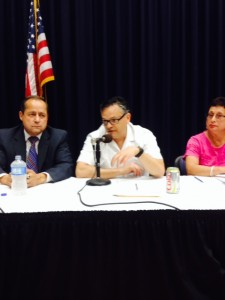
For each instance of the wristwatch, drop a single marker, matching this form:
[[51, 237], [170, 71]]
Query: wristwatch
[[141, 151]]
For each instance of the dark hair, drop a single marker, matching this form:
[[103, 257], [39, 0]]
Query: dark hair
[[120, 101], [219, 101], [23, 104]]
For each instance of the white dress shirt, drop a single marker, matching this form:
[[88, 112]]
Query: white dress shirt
[[136, 136]]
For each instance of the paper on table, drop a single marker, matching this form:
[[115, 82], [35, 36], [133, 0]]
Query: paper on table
[[221, 177], [125, 191]]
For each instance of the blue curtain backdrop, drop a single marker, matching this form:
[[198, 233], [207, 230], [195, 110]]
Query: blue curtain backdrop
[[165, 56]]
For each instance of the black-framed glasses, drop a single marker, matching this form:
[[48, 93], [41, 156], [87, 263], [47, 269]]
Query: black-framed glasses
[[217, 116], [113, 121]]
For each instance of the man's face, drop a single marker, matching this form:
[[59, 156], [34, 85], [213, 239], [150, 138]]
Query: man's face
[[119, 119], [35, 116]]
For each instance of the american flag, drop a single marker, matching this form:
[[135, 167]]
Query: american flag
[[39, 66]]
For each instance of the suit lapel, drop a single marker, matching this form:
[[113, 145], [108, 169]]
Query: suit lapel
[[42, 149], [19, 144]]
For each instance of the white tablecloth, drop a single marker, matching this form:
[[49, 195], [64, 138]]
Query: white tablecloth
[[147, 193]]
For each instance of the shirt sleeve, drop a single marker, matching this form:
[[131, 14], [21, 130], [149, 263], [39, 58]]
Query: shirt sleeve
[[192, 148], [147, 140], [87, 152]]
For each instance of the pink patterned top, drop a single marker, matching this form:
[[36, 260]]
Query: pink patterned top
[[199, 146]]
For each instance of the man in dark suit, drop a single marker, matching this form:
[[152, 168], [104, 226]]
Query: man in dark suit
[[55, 162]]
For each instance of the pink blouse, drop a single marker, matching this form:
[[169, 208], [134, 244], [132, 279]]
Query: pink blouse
[[209, 155]]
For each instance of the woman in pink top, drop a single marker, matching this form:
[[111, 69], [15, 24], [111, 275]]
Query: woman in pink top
[[205, 152]]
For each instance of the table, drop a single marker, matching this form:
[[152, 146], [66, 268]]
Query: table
[[63, 196], [61, 249]]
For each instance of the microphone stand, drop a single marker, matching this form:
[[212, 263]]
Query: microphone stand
[[98, 181]]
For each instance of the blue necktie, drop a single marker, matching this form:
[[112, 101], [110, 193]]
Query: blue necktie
[[32, 159]]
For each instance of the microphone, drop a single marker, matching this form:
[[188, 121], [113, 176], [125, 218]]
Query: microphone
[[106, 138]]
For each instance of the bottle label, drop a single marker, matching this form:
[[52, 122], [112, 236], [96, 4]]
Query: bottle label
[[18, 170]]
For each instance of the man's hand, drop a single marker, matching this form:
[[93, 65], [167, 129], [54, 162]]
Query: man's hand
[[121, 158], [6, 180], [131, 169], [34, 179]]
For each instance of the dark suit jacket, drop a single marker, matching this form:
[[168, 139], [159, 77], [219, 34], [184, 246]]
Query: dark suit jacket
[[54, 156]]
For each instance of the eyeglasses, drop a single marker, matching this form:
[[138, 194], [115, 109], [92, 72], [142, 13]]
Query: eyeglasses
[[113, 121], [217, 116]]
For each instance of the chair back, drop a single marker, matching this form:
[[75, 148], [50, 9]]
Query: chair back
[[181, 165]]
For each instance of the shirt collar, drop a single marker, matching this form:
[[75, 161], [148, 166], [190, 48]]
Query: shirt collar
[[28, 135]]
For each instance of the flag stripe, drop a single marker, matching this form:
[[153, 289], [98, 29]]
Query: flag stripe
[[45, 66], [31, 74], [44, 56]]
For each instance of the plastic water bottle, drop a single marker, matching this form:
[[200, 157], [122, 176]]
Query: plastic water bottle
[[19, 176]]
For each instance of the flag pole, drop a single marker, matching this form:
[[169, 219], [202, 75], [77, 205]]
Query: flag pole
[[42, 93], [45, 94], [36, 6]]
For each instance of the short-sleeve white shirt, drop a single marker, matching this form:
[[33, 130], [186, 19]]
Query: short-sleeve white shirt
[[136, 136]]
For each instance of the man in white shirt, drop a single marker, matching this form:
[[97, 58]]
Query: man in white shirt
[[132, 151]]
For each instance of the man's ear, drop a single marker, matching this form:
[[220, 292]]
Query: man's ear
[[129, 116], [21, 115]]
